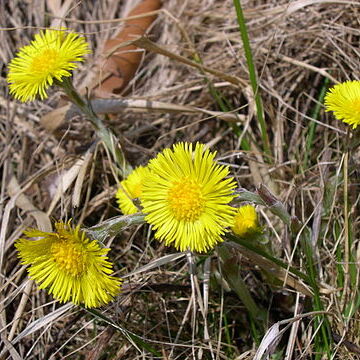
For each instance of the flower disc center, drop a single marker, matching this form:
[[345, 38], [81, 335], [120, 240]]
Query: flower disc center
[[69, 257], [45, 62], [186, 200], [355, 105], [135, 191]]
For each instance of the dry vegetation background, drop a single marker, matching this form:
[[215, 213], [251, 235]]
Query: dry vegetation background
[[300, 48]]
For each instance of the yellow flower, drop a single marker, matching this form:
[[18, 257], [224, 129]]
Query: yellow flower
[[49, 57], [72, 267], [186, 197], [344, 100], [246, 221], [131, 189]]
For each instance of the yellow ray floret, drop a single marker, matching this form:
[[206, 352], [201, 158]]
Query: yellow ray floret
[[246, 221], [50, 56], [344, 100], [131, 189], [69, 265], [186, 197]]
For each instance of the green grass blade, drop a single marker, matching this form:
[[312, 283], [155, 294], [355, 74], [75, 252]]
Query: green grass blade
[[253, 78], [323, 338]]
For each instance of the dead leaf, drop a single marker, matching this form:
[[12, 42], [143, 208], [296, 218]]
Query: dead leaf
[[121, 64]]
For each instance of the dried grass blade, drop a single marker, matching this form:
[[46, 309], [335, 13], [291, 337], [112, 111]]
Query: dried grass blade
[[44, 321], [80, 179], [22, 201], [10, 348], [64, 183], [269, 342], [148, 45], [156, 263], [56, 118]]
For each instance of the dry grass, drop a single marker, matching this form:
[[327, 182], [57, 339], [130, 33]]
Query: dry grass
[[296, 46]]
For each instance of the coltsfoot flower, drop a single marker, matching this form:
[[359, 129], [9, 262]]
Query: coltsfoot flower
[[344, 100], [246, 221], [69, 265], [186, 197], [51, 55], [130, 189]]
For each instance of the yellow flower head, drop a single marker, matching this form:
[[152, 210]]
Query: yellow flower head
[[72, 267], [130, 189], [186, 197], [344, 100], [50, 56], [246, 221]]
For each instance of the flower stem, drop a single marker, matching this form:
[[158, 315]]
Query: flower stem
[[110, 140], [113, 226]]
